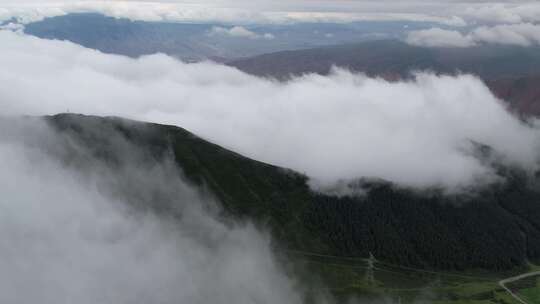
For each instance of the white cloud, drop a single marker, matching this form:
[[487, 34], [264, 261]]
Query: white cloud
[[437, 37], [68, 234], [343, 126], [15, 27], [450, 13], [234, 12], [507, 12], [269, 36], [374, 16], [238, 32], [525, 34]]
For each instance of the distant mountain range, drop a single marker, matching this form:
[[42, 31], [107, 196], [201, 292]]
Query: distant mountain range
[[499, 228], [396, 58], [193, 42], [513, 73], [523, 93]]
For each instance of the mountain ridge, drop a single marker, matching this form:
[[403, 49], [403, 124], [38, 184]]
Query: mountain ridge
[[498, 229]]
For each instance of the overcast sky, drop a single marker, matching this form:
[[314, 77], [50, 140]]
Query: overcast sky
[[446, 12]]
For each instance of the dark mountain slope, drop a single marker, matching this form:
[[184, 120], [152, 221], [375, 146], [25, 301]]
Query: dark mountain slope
[[523, 93], [395, 58], [497, 229]]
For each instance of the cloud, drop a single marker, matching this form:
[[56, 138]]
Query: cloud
[[524, 34], [359, 17], [238, 32], [437, 37], [269, 36], [416, 133], [16, 27], [233, 12], [505, 12], [69, 234], [449, 13]]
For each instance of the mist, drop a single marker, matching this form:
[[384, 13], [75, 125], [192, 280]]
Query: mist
[[421, 132], [69, 234]]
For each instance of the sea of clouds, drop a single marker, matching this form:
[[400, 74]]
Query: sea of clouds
[[420, 132], [73, 233]]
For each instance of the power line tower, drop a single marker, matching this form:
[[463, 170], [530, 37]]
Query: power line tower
[[370, 277]]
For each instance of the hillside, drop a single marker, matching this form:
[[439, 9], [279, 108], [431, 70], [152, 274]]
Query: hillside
[[496, 229], [523, 93]]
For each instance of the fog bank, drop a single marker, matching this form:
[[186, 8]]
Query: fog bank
[[69, 234]]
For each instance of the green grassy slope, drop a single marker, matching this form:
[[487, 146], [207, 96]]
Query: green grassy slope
[[348, 278]]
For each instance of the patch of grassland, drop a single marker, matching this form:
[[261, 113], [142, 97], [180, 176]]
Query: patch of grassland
[[531, 295], [349, 279]]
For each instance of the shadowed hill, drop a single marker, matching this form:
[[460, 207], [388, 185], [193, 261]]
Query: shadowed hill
[[496, 229], [523, 93]]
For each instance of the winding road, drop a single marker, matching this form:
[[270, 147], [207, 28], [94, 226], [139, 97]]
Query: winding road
[[503, 283]]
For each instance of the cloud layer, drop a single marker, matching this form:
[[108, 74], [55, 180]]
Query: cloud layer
[[345, 126], [69, 235], [437, 37], [523, 34], [225, 11], [450, 13], [505, 12]]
